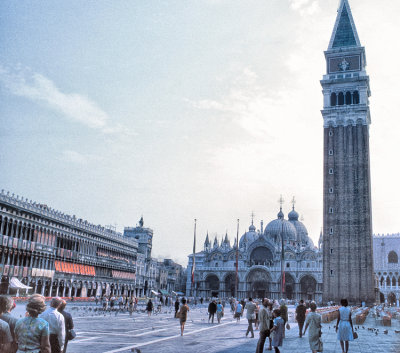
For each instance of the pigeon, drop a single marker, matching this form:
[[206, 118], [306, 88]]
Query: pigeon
[[385, 332], [397, 331]]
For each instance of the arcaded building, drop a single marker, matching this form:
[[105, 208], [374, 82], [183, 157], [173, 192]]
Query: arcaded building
[[259, 263], [387, 267], [60, 255]]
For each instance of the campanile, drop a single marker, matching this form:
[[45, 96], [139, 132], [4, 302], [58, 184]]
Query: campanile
[[347, 219]]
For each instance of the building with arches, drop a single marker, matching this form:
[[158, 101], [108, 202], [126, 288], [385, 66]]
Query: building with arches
[[387, 267], [259, 263], [60, 255]]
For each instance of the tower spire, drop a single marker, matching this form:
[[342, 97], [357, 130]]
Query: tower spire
[[344, 32]]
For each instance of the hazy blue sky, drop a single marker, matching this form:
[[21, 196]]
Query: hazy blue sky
[[176, 110]]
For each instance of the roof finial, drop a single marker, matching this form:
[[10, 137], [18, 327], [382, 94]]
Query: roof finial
[[252, 218], [293, 202], [281, 201]]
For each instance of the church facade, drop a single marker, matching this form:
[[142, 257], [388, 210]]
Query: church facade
[[260, 263]]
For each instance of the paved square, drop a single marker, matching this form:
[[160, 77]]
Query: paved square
[[161, 333]]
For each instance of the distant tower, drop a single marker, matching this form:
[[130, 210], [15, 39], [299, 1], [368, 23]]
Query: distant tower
[[347, 231]]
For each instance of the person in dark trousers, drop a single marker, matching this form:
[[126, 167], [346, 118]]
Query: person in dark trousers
[[149, 307], [265, 326], [250, 316], [56, 325], [69, 323], [301, 316], [176, 306], [212, 309]]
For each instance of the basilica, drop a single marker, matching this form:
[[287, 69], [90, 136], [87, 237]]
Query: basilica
[[260, 263]]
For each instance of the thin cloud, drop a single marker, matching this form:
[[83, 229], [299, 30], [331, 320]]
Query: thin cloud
[[77, 157], [305, 7], [73, 106]]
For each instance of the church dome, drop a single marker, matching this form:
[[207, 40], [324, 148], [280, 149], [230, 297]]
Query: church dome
[[293, 215], [249, 236], [276, 227]]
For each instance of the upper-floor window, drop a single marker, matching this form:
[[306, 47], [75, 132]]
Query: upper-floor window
[[393, 258], [330, 171], [333, 99]]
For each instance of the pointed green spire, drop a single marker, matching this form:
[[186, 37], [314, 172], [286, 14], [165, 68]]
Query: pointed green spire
[[344, 33]]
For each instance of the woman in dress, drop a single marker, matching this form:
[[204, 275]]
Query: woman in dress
[[183, 314], [313, 321], [277, 330], [344, 326], [32, 332]]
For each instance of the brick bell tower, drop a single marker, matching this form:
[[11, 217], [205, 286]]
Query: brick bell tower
[[347, 232]]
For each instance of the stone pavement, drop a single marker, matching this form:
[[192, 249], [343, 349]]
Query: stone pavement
[[160, 333]]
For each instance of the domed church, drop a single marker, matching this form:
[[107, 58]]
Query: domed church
[[260, 263]]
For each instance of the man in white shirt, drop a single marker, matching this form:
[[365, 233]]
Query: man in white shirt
[[251, 316], [56, 325]]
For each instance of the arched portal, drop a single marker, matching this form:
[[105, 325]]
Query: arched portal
[[258, 284], [230, 283], [261, 256], [212, 284], [308, 286], [381, 297], [289, 286]]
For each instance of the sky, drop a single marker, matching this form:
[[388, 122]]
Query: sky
[[176, 110]]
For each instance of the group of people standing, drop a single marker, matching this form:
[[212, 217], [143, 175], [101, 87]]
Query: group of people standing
[[41, 330], [274, 321]]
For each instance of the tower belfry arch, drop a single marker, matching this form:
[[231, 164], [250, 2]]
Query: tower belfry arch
[[347, 230]]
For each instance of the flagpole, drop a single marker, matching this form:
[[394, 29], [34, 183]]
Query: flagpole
[[237, 261], [193, 260], [282, 263]]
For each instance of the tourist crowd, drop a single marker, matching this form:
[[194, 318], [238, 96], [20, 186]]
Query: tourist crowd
[[42, 330]]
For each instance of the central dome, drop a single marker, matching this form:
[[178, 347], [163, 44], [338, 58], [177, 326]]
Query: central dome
[[280, 226]]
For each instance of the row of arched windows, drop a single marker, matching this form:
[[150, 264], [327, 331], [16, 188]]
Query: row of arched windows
[[345, 98], [30, 232]]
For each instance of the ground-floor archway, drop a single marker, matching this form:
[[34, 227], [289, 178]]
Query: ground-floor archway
[[308, 286], [258, 283], [230, 284]]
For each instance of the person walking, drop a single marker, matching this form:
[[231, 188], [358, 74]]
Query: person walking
[[183, 314], [69, 324], [6, 306], [220, 311], [265, 318], [176, 306], [344, 326], [250, 316], [257, 311], [313, 322], [301, 316], [277, 330], [56, 325], [212, 309], [238, 311], [149, 307], [32, 332], [6, 337]]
